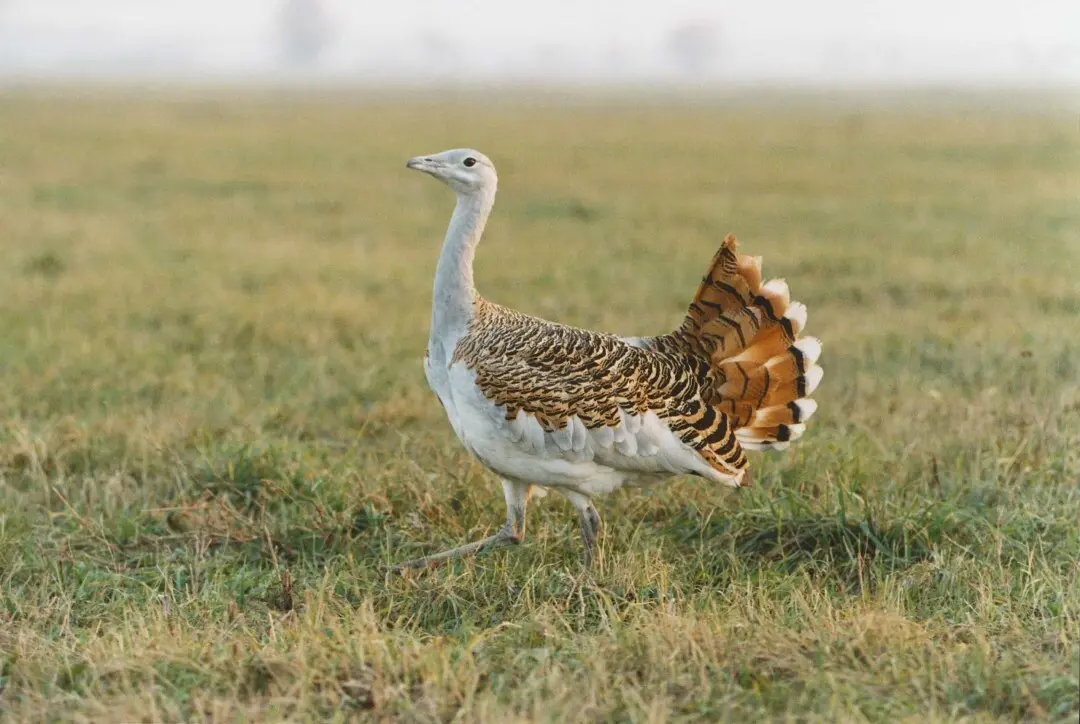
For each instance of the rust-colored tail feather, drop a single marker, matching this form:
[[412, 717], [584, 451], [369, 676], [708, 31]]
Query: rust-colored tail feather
[[749, 333]]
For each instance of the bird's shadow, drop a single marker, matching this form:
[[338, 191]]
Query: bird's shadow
[[832, 544]]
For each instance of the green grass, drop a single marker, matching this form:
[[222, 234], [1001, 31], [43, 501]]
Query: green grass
[[215, 427]]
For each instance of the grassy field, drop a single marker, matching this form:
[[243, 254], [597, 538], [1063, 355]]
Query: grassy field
[[214, 427]]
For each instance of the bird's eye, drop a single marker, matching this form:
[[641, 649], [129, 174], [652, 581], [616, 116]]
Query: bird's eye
[[469, 162]]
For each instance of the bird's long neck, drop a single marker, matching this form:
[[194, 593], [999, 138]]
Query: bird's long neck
[[452, 302]]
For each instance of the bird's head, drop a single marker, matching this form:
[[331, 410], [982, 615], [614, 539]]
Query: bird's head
[[464, 170]]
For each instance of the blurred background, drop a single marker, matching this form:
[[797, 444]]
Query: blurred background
[[833, 42]]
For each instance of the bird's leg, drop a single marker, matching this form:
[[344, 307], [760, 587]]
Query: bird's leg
[[517, 495], [589, 518]]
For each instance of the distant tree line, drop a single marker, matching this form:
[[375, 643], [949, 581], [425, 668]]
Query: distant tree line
[[305, 30]]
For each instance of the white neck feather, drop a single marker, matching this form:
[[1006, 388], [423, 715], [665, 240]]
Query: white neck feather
[[452, 301]]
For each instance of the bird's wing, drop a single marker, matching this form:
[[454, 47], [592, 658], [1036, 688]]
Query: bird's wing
[[562, 393]]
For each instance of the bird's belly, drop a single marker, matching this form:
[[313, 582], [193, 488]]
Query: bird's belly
[[489, 443], [521, 450], [483, 430]]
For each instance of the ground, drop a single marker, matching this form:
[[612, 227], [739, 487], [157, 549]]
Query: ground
[[215, 426]]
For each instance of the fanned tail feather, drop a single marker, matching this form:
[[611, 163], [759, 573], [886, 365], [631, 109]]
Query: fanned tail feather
[[749, 332]]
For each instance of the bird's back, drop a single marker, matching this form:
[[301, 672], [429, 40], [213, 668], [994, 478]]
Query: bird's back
[[555, 371]]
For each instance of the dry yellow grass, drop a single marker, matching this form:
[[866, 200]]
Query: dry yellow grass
[[215, 425]]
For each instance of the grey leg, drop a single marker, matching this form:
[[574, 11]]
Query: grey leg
[[589, 518], [517, 495]]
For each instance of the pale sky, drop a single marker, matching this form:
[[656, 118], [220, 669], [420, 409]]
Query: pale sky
[[829, 41]]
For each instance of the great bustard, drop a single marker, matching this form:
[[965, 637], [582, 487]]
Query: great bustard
[[544, 405]]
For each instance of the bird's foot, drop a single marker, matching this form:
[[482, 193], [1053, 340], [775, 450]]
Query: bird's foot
[[505, 536]]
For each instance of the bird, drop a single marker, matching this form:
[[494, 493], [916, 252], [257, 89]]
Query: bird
[[550, 407]]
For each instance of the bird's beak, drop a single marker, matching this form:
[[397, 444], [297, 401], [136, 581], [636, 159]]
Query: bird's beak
[[421, 163]]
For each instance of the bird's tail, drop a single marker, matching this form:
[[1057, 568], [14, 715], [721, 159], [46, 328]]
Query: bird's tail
[[748, 331]]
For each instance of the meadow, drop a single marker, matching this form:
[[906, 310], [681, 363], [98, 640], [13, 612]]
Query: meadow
[[215, 430]]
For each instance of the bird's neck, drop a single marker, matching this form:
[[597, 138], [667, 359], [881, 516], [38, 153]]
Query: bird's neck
[[452, 302]]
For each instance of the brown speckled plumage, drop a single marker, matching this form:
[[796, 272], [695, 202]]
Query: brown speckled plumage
[[554, 371]]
